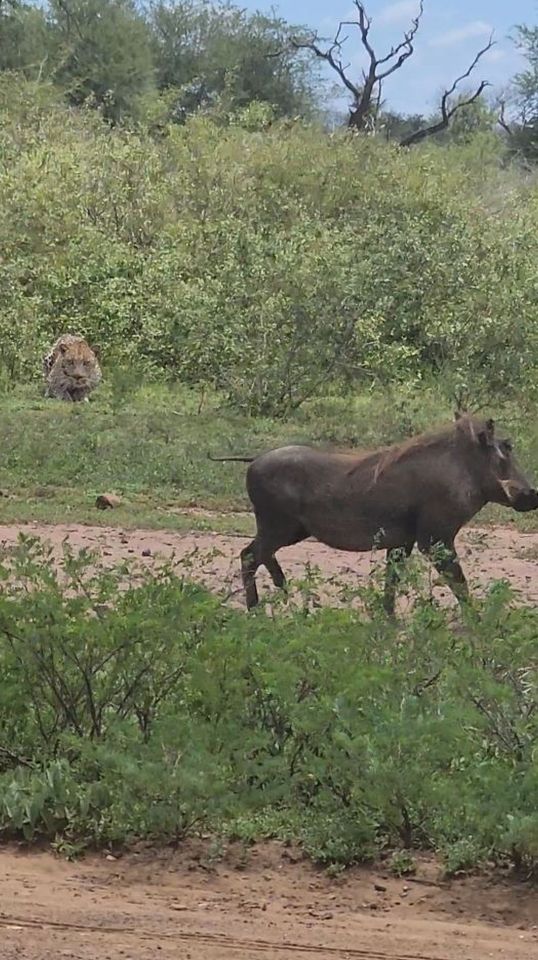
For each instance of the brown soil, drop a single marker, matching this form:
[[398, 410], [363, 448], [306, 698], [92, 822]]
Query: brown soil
[[173, 905], [487, 554]]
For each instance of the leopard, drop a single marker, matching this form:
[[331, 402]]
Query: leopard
[[71, 369]]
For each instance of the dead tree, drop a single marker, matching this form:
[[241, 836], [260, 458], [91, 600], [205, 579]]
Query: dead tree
[[447, 109], [501, 118], [366, 95]]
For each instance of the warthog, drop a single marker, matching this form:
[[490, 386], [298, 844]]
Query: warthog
[[418, 492]]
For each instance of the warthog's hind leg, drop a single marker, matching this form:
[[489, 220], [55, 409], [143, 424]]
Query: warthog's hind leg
[[249, 564], [273, 533], [252, 557], [276, 572]]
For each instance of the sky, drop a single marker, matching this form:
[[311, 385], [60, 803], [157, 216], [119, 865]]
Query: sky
[[451, 33]]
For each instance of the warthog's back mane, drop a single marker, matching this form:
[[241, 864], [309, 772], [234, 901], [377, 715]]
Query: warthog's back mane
[[385, 457]]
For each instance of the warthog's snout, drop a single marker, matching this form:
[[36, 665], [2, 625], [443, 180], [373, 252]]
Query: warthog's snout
[[525, 500]]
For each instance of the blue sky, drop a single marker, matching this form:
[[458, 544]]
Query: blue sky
[[450, 34]]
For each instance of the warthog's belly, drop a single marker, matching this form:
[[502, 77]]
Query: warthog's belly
[[358, 534]]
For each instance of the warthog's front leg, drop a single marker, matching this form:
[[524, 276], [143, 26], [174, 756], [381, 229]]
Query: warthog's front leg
[[396, 558], [445, 560]]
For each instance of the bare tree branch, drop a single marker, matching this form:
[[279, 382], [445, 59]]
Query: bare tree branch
[[364, 94], [447, 111], [501, 119]]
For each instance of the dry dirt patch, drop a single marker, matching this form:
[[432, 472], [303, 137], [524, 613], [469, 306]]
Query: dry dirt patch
[[488, 554], [165, 904]]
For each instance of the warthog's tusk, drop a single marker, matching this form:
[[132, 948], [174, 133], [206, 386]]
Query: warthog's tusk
[[505, 484]]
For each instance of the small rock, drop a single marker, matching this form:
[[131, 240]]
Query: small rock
[[380, 887], [178, 906], [110, 857], [107, 501], [146, 552]]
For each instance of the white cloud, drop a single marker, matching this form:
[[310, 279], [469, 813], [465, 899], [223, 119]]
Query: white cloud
[[398, 13], [329, 25], [495, 54], [477, 28]]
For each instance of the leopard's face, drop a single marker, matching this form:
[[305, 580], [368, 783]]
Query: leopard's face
[[75, 372]]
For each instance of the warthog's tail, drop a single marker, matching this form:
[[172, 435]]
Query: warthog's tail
[[227, 459]]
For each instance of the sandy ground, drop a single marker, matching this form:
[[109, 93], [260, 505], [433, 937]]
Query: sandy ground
[[271, 905], [487, 554], [170, 904]]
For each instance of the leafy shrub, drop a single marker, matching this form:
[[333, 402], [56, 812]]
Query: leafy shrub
[[136, 706], [461, 856], [402, 864], [271, 264]]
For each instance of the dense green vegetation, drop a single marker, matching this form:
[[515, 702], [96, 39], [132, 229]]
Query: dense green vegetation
[[271, 265], [158, 712], [163, 58]]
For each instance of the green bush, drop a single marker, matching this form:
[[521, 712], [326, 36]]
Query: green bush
[[272, 264], [137, 706]]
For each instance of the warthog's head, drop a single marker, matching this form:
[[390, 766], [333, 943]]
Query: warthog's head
[[499, 474]]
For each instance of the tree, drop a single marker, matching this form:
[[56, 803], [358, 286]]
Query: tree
[[396, 126], [522, 128], [24, 38], [526, 82], [220, 49], [115, 52], [366, 93], [103, 52], [477, 117]]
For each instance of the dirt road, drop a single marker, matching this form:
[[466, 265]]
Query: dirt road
[[170, 905], [488, 554]]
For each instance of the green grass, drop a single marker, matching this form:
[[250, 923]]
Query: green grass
[[150, 447], [151, 450]]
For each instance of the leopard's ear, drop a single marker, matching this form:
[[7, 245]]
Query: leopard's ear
[[62, 348], [97, 352]]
